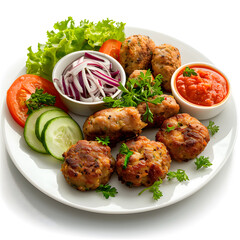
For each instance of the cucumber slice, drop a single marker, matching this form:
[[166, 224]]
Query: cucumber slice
[[59, 134], [44, 118], [29, 129]]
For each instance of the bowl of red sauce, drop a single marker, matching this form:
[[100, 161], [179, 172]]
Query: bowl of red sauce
[[201, 89]]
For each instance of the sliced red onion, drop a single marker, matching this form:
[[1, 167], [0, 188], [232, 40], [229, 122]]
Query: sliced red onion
[[96, 65], [114, 74], [85, 81], [111, 66], [100, 67], [97, 82], [71, 91], [89, 79], [94, 57], [108, 81], [64, 86], [76, 92], [80, 79], [106, 76], [77, 84], [67, 69]]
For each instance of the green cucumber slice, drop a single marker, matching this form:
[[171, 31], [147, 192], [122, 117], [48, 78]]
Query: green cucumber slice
[[44, 118], [59, 134], [29, 129]]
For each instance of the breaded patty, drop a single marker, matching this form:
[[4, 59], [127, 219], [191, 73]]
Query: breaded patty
[[187, 140], [149, 162], [165, 60], [136, 53], [116, 123], [161, 111], [87, 164]]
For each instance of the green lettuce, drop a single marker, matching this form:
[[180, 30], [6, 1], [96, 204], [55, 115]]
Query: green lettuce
[[67, 38]]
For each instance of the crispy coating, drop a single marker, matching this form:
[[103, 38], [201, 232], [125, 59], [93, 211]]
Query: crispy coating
[[116, 123], [87, 164], [187, 140], [149, 162], [161, 111], [166, 59], [136, 53]]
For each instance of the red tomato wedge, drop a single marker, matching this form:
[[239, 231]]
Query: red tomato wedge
[[111, 47], [21, 90]]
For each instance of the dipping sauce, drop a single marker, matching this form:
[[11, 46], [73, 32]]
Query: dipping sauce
[[207, 88]]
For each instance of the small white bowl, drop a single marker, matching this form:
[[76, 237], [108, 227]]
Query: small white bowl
[[78, 107], [197, 111]]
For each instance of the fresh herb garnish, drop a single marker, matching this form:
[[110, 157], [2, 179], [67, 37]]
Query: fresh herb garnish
[[179, 174], [156, 100], [170, 127], [148, 115], [188, 72], [138, 90], [38, 100], [107, 190], [103, 141], [212, 128], [154, 189], [126, 151], [202, 162]]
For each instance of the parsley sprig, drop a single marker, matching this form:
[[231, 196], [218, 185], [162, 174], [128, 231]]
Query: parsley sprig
[[148, 115], [126, 151], [188, 72], [179, 174], [138, 90], [103, 141], [39, 99], [212, 127], [202, 162], [154, 189], [107, 190]]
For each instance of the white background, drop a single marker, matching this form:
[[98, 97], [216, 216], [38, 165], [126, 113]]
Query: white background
[[211, 27]]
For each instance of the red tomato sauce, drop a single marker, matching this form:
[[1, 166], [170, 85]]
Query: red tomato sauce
[[207, 88]]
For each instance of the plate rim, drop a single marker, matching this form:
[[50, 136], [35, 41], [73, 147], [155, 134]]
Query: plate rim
[[121, 211]]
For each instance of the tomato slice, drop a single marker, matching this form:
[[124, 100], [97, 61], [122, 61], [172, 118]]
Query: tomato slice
[[111, 47], [21, 90]]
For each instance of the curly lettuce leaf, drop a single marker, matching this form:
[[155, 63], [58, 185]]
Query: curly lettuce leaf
[[97, 34], [68, 38]]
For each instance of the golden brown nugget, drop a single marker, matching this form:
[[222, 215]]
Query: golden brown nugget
[[136, 53], [116, 123], [87, 164], [165, 60], [149, 162], [187, 139]]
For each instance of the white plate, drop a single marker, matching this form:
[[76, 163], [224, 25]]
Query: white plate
[[44, 171]]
